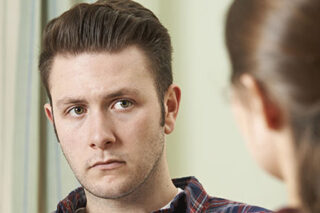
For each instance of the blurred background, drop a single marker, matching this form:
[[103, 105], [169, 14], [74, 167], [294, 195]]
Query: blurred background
[[34, 175]]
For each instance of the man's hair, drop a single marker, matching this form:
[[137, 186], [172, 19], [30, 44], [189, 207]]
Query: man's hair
[[108, 26]]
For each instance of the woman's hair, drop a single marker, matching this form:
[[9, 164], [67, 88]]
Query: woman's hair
[[277, 42]]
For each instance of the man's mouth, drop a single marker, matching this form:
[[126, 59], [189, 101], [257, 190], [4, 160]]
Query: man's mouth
[[108, 165]]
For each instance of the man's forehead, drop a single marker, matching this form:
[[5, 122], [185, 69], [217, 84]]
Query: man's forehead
[[132, 53], [131, 61]]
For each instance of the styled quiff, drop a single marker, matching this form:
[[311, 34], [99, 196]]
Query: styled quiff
[[108, 26]]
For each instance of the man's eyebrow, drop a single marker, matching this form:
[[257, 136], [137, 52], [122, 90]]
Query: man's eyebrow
[[114, 94], [69, 100], [122, 92]]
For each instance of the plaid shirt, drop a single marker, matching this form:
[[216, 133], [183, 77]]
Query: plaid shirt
[[193, 199]]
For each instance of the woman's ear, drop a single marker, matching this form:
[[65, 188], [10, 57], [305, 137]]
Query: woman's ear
[[171, 105], [262, 103]]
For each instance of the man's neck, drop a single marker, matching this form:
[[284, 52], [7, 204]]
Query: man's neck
[[155, 193]]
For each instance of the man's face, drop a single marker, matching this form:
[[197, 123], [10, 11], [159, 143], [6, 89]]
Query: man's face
[[107, 117]]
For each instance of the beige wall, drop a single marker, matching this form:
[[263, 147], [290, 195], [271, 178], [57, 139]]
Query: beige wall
[[8, 53], [206, 142]]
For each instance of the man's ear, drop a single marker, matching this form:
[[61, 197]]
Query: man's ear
[[261, 102], [171, 105], [49, 112]]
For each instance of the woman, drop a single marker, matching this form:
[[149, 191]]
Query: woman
[[274, 47]]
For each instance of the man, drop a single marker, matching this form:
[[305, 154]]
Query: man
[[107, 71]]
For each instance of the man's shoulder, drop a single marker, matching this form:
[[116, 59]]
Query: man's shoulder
[[216, 204], [74, 202], [197, 199]]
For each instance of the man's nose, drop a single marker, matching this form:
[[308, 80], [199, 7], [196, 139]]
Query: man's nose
[[101, 131]]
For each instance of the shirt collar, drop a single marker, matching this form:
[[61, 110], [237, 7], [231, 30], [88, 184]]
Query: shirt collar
[[193, 196]]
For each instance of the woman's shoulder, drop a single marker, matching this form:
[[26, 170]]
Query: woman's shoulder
[[288, 210]]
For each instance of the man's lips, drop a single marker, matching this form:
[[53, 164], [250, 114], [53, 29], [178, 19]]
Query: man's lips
[[108, 165]]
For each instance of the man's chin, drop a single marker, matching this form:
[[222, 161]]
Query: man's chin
[[109, 193], [110, 187]]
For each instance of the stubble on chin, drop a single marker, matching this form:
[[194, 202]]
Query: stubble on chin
[[131, 183]]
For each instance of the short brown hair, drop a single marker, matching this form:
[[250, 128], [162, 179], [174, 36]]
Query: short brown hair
[[108, 25]]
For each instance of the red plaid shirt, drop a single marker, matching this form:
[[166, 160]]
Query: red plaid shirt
[[193, 199]]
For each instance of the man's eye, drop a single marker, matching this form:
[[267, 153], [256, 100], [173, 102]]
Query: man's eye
[[123, 104], [76, 111]]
